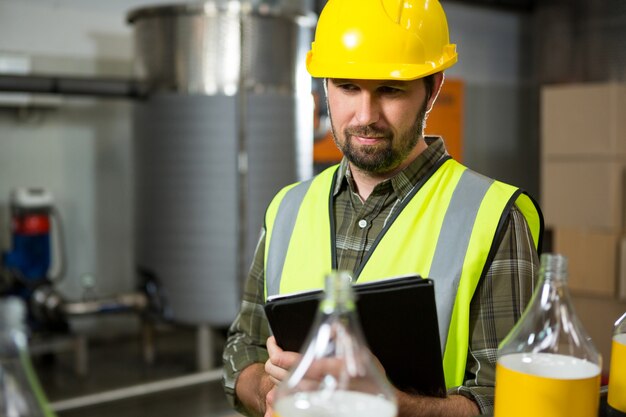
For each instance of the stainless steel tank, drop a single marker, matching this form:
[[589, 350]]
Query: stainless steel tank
[[227, 123]]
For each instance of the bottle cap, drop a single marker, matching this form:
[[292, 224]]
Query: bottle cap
[[12, 311]]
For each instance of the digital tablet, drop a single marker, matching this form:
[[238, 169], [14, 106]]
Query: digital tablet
[[399, 320]]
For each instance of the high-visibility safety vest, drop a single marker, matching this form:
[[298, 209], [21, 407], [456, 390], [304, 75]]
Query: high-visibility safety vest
[[447, 229]]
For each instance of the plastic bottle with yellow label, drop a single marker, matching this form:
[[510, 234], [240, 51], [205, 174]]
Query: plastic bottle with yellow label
[[335, 376], [547, 365], [617, 375]]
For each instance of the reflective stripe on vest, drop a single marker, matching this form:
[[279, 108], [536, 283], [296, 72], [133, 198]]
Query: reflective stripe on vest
[[279, 241], [443, 231]]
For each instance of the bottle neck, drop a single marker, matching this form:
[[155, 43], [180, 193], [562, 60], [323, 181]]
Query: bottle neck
[[338, 293], [12, 332], [553, 269]]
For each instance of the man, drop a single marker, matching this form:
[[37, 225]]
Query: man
[[396, 204]]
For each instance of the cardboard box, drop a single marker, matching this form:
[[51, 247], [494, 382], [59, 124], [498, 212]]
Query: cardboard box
[[593, 260], [583, 120], [578, 192]]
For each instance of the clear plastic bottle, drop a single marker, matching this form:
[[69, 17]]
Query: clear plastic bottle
[[547, 365], [617, 374], [21, 394], [336, 376]]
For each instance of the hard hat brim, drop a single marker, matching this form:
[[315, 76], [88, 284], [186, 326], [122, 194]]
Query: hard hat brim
[[375, 71]]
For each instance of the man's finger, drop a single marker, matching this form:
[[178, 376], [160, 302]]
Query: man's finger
[[269, 403], [280, 358], [275, 372]]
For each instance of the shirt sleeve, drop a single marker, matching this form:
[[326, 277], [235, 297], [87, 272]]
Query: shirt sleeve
[[247, 336], [498, 303]]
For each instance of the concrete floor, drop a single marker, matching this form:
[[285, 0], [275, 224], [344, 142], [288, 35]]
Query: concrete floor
[[114, 365]]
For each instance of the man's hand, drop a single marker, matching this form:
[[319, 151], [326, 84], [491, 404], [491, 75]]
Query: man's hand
[[279, 362], [412, 405], [259, 382], [252, 388], [277, 367], [256, 384], [269, 402]]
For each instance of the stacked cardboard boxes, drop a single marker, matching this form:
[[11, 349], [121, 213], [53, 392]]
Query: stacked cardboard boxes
[[583, 182], [583, 197]]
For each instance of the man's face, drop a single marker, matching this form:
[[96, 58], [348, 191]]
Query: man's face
[[377, 123]]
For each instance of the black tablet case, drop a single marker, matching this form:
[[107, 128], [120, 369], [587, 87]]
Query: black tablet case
[[399, 321]]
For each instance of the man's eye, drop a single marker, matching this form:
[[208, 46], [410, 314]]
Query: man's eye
[[389, 90], [348, 87]]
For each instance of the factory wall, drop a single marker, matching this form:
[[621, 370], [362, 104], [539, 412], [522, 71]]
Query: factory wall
[[81, 149]]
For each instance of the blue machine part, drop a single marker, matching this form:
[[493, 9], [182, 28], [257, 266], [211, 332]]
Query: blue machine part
[[29, 257]]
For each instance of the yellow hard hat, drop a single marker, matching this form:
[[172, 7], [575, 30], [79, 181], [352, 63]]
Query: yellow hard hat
[[381, 40]]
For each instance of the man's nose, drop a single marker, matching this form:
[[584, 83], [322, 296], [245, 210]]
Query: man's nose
[[368, 111]]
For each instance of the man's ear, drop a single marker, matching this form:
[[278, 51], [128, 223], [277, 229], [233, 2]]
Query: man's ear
[[438, 82]]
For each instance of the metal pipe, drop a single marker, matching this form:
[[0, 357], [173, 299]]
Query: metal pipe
[[49, 306], [121, 302], [79, 86]]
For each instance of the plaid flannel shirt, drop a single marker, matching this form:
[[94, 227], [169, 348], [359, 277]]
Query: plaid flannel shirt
[[498, 302]]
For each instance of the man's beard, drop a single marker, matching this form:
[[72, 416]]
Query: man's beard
[[381, 157]]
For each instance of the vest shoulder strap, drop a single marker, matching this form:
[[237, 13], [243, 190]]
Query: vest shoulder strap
[[286, 207]]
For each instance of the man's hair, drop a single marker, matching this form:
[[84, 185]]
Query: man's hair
[[429, 84]]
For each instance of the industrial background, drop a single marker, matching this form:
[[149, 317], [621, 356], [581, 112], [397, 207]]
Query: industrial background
[[149, 137]]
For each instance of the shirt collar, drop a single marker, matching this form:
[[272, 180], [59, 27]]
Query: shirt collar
[[403, 182]]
